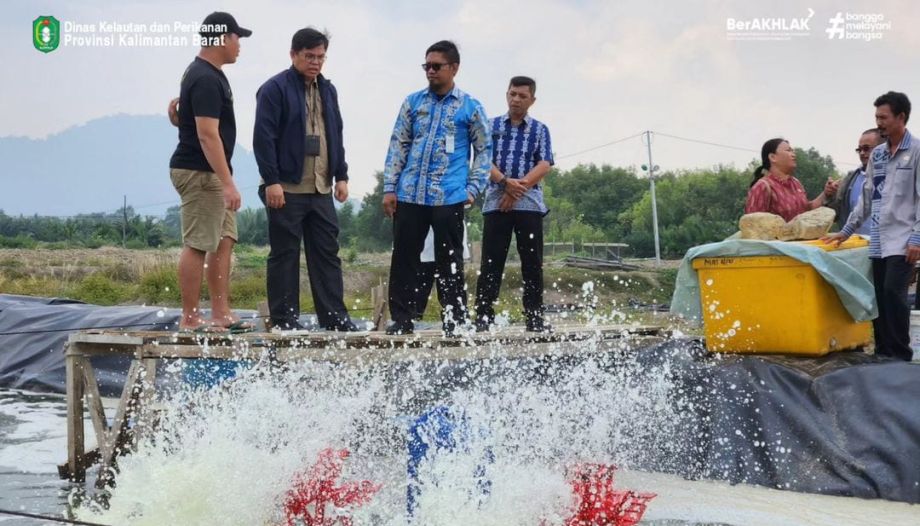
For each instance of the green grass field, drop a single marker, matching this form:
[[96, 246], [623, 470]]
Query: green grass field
[[115, 276]]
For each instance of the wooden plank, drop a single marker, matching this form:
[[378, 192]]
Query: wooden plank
[[108, 338], [96, 410], [144, 404], [254, 346], [264, 314], [380, 306], [115, 436], [75, 438], [376, 356]]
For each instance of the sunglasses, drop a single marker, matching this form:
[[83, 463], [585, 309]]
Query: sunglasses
[[860, 149], [434, 66]]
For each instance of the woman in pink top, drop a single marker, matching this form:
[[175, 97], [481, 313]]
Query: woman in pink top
[[776, 190]]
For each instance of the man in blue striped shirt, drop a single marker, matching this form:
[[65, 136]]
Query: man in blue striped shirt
[[522, 155], [427, 180], [890, 202]]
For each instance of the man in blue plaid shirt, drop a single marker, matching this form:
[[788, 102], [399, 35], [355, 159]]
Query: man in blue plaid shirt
[[522, 155]]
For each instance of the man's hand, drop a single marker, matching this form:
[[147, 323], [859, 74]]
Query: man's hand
[[830, 188], [274, 195], [173, 111], [913, 254], [469, 200], [341, 191], [232, 199], [389, 204], [515, 188], [506, 203], [836, 238]]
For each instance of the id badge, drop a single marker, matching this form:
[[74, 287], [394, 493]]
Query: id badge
[[312, 145], [449, 144]]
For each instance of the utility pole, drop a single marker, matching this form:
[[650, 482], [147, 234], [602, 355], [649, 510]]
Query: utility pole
[[124, 223], [651, 179]]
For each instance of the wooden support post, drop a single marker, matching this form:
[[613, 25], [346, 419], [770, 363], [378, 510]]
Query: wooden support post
[[265, 314], [380, 302], [146, 395], [96, 410], [75, 439], [116, 438]]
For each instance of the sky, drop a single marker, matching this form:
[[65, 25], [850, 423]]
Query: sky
[[605, 70]]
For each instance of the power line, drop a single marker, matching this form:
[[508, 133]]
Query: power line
[[49, 518], [728, 146], [600, 146], [708, 143]]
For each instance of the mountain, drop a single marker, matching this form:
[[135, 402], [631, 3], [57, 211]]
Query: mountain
[[89, 168]]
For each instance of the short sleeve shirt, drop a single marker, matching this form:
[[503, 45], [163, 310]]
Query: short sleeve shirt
[[785, 198], [515, 152], [204, 92]]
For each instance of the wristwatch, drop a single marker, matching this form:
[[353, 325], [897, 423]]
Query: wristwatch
[[503, 180]]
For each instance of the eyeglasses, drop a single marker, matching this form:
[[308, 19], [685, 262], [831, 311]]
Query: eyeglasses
[[860, 149], [314, 58], [435, 66]]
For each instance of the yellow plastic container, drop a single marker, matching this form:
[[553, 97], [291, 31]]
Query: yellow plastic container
[[775, 304]]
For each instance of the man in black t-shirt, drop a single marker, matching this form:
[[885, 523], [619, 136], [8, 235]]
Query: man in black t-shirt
[[201, 172]]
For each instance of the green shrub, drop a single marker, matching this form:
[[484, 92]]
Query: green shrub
[[246, 292], [19, 241], [100, 290], [160, 286], [250, 258]]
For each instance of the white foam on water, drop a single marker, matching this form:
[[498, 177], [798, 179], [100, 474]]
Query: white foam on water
[[228, 455]]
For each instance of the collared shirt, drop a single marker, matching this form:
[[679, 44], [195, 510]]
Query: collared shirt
[[315, 167], [428, 159], [855, 190], [785, 198], [890, 200], [515, 152]]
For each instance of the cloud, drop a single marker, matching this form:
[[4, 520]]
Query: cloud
[[605, 70]]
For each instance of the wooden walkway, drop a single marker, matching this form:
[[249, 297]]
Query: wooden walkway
[[147, 348]]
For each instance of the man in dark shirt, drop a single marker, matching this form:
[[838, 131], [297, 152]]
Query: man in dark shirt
[[298, 146], [201, 172]]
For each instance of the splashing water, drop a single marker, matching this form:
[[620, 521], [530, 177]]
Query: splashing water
[[229, 454]]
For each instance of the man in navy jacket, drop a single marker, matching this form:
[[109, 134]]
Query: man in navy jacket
[[301, 157]]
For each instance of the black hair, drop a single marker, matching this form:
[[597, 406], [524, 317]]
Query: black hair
[[309, 38], [521, 80], [448, 48], [898, 102], [768, 148], [872, 130]]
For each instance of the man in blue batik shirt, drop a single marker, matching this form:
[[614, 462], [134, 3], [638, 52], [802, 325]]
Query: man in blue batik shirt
[[522, 155], [427, 181]]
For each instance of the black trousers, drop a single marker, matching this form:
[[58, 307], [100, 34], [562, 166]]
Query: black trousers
[[496, 238], [410, 227], [892, 327], [311, 219]]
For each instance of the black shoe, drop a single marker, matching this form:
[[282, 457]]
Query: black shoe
[[454, 329], [344, 326], [483, 325], [401, 327], [289, 325], [538, 325]]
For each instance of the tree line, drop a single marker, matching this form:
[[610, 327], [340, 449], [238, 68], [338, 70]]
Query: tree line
[[588, 203]]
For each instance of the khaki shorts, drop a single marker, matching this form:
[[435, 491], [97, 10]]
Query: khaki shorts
[[205, 220]]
